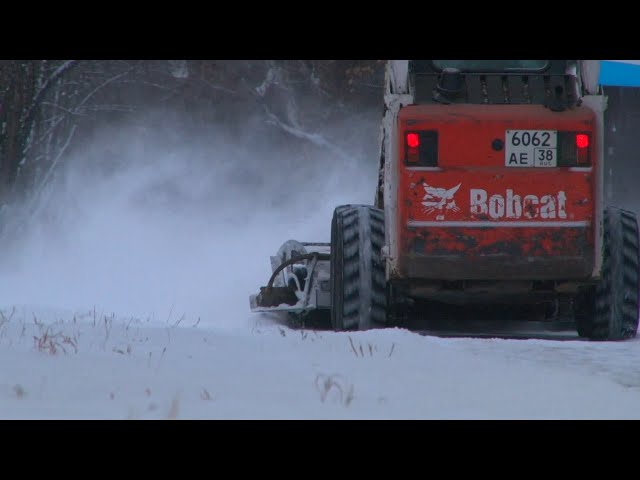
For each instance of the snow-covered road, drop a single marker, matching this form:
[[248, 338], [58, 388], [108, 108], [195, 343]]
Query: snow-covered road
[[62, 364], [127, 297]]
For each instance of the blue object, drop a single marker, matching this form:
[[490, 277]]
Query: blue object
[[620, 73]]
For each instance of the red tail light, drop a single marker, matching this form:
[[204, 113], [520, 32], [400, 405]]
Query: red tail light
[[421, 148], [582, 140], [582, 155], [574, 149], [413, 140]]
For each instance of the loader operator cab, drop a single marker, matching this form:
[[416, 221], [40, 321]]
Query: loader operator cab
[[551, 83]]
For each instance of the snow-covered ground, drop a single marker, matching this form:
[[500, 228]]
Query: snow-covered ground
[[128, 298], [77, 365]]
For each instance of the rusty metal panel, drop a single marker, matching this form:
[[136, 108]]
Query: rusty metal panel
[[536, 221], [494, 267], [474, 197]]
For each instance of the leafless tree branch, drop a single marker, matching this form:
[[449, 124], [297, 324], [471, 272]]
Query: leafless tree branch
[[314, 138]]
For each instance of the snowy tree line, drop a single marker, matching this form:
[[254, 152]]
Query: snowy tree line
[[48, 107]]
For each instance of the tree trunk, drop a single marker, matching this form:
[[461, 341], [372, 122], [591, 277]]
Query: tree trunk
[[19, 78]]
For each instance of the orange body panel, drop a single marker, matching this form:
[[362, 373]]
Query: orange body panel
[[474, 217]]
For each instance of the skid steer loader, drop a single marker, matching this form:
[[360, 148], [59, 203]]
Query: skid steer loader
[[501, 181]]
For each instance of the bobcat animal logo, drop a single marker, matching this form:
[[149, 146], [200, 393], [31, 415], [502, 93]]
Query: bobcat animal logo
[[440, 199]]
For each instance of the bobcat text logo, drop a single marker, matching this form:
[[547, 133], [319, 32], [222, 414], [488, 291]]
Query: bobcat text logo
[[517, 206], [440, 198]]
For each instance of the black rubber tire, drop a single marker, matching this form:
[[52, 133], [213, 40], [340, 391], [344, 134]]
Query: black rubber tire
[[609, 310], [358, 284]]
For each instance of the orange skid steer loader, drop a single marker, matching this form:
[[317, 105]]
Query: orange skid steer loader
[[495, 179]]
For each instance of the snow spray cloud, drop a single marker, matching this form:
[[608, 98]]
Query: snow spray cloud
[[167, 225]]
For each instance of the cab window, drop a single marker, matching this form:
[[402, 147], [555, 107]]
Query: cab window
[[493, 65]]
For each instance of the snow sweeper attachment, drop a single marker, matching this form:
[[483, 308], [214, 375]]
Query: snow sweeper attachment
[[299, 282]]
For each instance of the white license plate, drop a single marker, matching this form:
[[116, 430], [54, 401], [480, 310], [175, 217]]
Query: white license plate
[[531, 148]]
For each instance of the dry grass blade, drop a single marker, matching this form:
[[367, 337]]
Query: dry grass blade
[[327, 383], [19, 391], [353, 347], [348, 398], [205, 395], [173, 409], [52, 343], [3, 317], [179, 321]]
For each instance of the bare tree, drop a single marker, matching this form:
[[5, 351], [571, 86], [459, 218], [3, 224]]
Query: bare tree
[[24, 84], [47, 107]]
